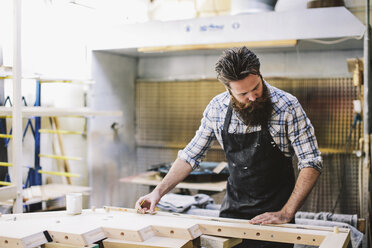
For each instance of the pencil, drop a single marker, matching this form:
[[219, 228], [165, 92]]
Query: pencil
[[141, 205]]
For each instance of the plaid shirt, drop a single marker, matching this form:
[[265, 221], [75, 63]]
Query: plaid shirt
[[289, 126]]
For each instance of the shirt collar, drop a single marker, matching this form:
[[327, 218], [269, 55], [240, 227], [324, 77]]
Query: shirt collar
[[273, 96]]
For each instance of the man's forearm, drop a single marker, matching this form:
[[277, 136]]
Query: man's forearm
[[179, 171], [305, 182]]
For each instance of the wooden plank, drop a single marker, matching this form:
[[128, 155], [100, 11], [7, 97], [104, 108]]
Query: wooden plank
[[208, 241], [274, 234], [62, 228], [58, 245], [153, 242], [220, 167], [361, 223], [30, 241], [74, 235], [182, 230], [227, 220], [238, 228], [8, 192], [189, 232], [133, 234], [336, 240], [15, 235]]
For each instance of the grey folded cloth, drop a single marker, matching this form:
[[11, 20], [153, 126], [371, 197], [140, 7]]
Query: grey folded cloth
[[213, 206], [180, 203], [203, 211], [350, 219], [355, 235]]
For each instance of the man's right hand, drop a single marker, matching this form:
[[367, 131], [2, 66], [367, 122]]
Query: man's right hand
[[179, 170], [148, 202]]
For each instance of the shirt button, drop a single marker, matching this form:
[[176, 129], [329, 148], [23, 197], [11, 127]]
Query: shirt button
[[233, 164]]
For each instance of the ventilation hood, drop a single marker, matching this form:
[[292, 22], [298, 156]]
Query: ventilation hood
[[266, 29]]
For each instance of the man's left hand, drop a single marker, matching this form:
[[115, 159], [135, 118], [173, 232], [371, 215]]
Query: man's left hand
[[279, 217]]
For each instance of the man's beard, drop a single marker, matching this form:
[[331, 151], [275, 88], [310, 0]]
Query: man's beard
[[254, 113]]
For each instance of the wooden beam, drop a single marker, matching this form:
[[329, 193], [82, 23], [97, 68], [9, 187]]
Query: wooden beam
[[274, 234], [12, 235], [188, 232], [208, 241], [238, 228], [336, 240], [153, 242], [134, 234], [58, 245], [76, 235]]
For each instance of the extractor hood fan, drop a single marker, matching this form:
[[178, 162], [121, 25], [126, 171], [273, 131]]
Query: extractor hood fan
[[265, 29]]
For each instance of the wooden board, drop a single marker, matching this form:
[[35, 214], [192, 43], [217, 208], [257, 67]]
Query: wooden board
[[153, 242], [189, 232], [209, 241], [14, 235], [76, 235], [335, 240], [58, 245], [128, 233], [62, 228]]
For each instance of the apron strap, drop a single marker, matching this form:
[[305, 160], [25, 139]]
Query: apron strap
[[227, 119]]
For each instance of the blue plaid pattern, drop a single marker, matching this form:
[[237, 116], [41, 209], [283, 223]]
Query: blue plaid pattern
[[289, 126]]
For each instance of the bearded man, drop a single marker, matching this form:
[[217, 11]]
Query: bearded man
[[261, 128]]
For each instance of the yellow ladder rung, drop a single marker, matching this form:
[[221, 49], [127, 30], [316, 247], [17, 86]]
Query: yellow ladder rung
[[57, 173], [5, 117], [6, 136], [59, 131], [5, 164], [5, 183], [59, 157], [87, 82]]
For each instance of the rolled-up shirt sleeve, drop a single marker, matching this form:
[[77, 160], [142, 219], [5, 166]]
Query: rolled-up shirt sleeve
[[196, 150], [302, 137]]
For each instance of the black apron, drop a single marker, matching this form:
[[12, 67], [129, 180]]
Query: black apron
[[261, 177]]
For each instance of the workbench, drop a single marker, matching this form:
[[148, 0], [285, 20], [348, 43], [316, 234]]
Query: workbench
[[152, 178], [52, 194], [121, 227]]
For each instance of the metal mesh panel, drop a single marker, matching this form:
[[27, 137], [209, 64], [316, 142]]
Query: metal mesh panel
[[169, 113]]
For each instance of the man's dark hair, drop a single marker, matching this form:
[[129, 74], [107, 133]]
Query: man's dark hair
[[236, 64]]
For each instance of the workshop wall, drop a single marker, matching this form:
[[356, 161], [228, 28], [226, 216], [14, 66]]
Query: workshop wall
[[169, 109]]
